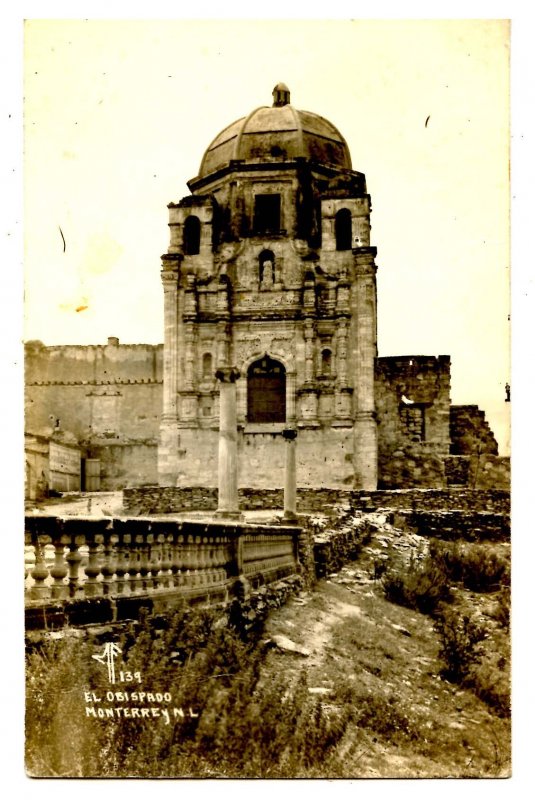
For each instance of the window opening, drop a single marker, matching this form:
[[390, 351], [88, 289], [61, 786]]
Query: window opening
[[192, 235], [266, 391], [342, 229], [267, 213]]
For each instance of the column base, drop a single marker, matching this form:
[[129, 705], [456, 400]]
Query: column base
[[232, 515], [290, 517]]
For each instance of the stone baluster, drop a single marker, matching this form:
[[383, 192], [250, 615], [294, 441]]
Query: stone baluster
[[74, 558], [144, 568], [153, 561], [135, 565], [109, 566], [221, 557], [121, 567], [92, 587], [60, 569], [40, 571], [187, 564], [196, 577], [202, 563], [165, 575], [177, 567]]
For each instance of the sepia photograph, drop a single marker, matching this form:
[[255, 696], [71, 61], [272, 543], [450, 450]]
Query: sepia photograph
[[267, 393]]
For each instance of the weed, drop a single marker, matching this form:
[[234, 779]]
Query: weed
[[239, 725], [423, 586], [460, 637], [477, 567]]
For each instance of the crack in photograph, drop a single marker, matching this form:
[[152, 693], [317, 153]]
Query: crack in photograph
[[267, 429]]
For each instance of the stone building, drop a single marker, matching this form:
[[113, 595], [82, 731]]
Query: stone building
[[269, 271]]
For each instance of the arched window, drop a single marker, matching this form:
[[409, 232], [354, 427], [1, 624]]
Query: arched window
[[326, 362], [192, 235], [207, 369], [342, 229], [266, 391], [266, 267]]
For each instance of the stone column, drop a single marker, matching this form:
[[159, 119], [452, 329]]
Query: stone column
[[290, 478], [227, 504], [168, 441], [365, 426]]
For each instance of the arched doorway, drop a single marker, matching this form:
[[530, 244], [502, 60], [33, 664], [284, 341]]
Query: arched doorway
[[266, 391]]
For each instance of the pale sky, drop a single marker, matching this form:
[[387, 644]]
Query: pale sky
[[118, 115]]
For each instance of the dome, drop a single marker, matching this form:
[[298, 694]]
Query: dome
[[275, 133]]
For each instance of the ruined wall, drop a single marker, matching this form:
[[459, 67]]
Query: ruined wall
[[470, 432], [140, 501], [484, 471], [412, 400]]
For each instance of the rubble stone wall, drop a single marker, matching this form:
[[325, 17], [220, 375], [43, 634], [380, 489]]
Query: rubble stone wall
[[472, 526], [412, 401], [165, 500]]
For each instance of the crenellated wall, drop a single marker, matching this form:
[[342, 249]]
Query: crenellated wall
[[112, 391]]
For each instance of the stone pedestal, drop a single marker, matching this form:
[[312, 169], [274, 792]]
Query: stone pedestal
[[227, 504], [290, 477]]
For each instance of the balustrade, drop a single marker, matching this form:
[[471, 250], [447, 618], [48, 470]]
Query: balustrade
[[82, 557]]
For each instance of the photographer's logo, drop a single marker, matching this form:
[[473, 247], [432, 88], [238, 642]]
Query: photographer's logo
[[107, 657]]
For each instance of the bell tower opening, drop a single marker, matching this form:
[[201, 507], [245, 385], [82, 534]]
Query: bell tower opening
[[192, 235], [266, 391], [342, 229]]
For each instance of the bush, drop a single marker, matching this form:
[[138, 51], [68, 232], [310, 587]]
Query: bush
[[491, 682], [502, 610], [477, 567], [460, 637], [423, 586]]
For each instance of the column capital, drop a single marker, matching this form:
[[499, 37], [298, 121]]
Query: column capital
[[227, 374]]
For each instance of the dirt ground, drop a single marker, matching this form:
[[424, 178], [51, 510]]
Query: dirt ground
[[412, 723]]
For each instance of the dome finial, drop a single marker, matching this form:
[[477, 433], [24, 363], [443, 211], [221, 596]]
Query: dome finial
[[281, 95]]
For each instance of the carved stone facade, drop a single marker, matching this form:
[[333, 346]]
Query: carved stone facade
[[270, 270]]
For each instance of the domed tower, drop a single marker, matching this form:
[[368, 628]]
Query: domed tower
[[270, 270]]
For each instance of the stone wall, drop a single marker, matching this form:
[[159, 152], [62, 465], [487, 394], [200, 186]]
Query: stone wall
[[470, 432], [333, 550], [111, 390], [412, 399], [125, 463], [471, 526], [323, 457], [484, 471], [166, 500]]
